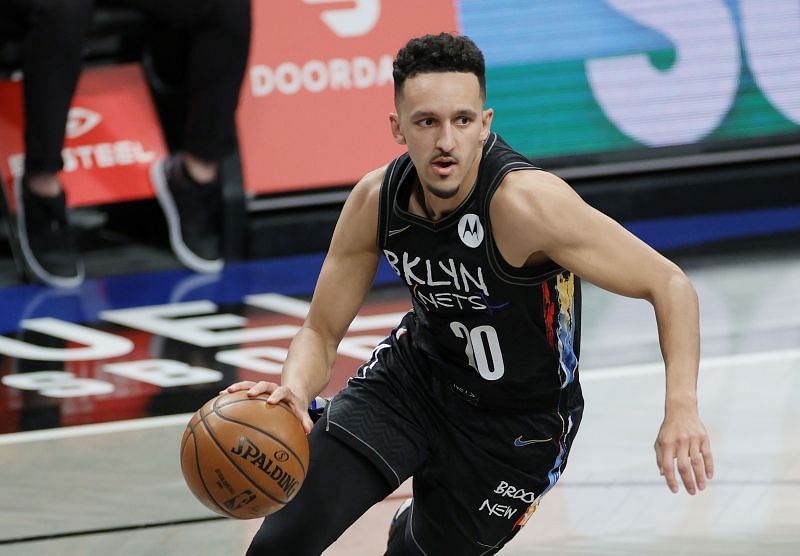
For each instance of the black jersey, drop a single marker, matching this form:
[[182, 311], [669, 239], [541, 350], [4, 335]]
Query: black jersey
[[504, 336]]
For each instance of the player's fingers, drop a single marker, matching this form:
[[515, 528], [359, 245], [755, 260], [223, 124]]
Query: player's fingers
[[237, 386], [300, 409], [668, 465], [281, 393], [708, 458], [657, 448], [306, 421], [685, 469], [696, 459], [302, 415], [262, 387]]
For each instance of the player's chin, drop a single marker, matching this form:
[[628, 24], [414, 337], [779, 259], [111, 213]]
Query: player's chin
[[443, 189]]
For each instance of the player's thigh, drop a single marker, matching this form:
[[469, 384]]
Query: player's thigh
[[480, 490], [340, 486]]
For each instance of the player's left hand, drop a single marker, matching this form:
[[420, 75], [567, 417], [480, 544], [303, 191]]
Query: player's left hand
[[683, 442]]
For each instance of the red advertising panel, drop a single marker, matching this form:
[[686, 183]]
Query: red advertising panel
[[318, 89], [113, 137]]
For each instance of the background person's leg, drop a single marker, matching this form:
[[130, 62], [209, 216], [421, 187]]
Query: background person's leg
[[202, 46], [218, 37], [52, 33], [217, 61], [51, 65]]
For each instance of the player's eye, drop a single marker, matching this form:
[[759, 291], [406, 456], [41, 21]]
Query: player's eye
[[427, 122]]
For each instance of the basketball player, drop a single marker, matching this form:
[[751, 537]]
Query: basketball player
[[475, 394]]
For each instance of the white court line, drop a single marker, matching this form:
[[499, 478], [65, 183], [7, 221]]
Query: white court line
[[761, 358], [99, 428]]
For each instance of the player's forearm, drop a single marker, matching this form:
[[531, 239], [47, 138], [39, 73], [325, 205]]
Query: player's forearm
[[677, 314], [307, 369]]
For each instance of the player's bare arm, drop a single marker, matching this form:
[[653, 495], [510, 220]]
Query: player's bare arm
[[344, 281], [536, 216]]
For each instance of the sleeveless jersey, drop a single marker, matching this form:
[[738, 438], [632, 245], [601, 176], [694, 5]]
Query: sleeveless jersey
[[503, 336]]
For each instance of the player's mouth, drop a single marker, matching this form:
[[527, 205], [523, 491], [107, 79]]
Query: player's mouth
[[444, 165]]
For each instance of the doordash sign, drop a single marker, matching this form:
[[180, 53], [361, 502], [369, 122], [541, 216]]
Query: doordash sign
[[318, 90]]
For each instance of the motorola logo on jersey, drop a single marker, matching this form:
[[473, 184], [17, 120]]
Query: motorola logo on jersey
[[470, 230], [81, 121], [350, 21]]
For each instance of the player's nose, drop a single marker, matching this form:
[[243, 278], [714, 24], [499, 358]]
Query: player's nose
[[446, 140]]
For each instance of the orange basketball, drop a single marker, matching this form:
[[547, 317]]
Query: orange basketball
[[242, 457]]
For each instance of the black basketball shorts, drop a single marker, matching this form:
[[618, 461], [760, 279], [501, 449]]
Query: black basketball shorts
[[478, 474]]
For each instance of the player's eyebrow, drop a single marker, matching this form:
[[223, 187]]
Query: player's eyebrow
[[421, 114]]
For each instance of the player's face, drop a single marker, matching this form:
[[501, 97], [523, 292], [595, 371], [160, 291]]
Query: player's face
[[440, 117]]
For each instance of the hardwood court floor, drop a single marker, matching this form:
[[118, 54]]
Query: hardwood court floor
[[610, 501]]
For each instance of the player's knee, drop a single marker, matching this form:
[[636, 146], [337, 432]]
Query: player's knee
[[284, 538]]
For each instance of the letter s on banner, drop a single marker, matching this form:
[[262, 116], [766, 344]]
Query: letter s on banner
[[686, 102], [771, 32]]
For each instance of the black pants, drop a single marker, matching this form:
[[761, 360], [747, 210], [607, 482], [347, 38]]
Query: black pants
[[53, 33], [475, 481], [340, 486]]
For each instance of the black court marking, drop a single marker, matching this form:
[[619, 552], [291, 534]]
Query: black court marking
[[124, 528], [265, 433], [108, 530]]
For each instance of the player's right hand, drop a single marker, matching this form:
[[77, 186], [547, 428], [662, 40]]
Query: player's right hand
[[277, 394]]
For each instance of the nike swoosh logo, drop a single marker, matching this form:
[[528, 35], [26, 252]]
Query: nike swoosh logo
[[518, 442], [401, 230]]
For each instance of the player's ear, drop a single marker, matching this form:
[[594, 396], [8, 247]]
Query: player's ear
[[486, 123], [395, 123]]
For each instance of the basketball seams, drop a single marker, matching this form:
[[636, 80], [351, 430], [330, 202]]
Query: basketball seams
[[217, 403], [265, 433], [196, 464], [236, 465], [200, 474], [248, 425]]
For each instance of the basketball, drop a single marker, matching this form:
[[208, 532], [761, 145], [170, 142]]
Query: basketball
[[242, 457]]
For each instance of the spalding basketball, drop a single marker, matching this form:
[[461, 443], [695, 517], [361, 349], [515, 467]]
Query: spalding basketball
[[243, 457]]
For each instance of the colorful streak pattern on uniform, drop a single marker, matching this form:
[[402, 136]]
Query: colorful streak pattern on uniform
[[563, 450], [549, 314], [567, 360]]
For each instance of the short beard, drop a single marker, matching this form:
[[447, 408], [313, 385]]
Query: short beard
[[443, 194]]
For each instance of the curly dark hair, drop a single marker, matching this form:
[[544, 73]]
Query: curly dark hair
[[439, 53]]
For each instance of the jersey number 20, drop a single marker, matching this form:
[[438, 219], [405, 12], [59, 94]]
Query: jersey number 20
[[490, 366]]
